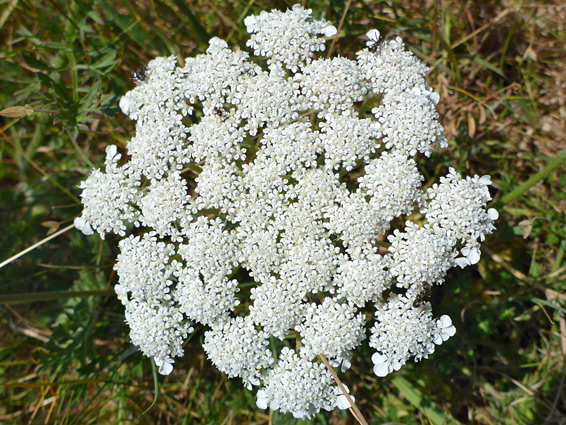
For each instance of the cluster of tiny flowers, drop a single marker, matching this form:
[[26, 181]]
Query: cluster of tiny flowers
[[276, 200], [404, 329], [298, 385], [289, 39]]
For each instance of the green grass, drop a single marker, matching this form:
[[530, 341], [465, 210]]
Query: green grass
[[65, 357]]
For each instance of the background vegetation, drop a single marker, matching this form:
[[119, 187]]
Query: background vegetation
[[65, 357]]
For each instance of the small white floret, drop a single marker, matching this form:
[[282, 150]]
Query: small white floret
[[329, 31], [111, 152], [218, 43], [382, 366], [165, 365], [462, 262], [445, 329], [472, 254], [251, 382], [82, 225], [435, 97], [261, 399], [120, 290], [125, 105], [251, 23], [342, 401], [373, 36], [492, 214]]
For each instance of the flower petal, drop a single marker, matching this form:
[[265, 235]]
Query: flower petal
[[378, 358], [381, 369], [462, 262], [474, 256], [435, 97], [373, 35], [444, 321], [342, 402], [329, 31], [166, 368], [492, 214]]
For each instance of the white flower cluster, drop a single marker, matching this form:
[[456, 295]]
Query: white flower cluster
[[297, 385], [261, 193]]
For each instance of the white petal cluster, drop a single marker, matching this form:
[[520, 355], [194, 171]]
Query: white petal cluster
[[407, 114], [409, 122], [268, 98], [298, 386], [402, 330], [347, 140], [457, 207], [287, 38], [238, 350], [364, 277], [277, 308], [158, 107], [146, 289], [353, 219], [205, 292], [332, 86], [331, 329], [158, 330], [217, 187], [211, 78], [420, 256], [258, 196], [108, 197], [144, 268], [163, 204], [216, 136], [394, 69], [393, 183]]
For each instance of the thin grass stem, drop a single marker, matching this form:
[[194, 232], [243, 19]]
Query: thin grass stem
[[50, 296], [339, 28], [354, 409], [38, 168], [541, 175], [155, 388], [35, 245]]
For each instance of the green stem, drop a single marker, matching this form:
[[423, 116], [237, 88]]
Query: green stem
[[196, 24], [155, 388], [541, 175], [70, 383], [49, 296], [559, 256], [74, 74], [79, 416]]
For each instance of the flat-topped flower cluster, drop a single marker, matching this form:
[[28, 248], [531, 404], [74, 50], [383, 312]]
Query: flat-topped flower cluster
[[277, 198]]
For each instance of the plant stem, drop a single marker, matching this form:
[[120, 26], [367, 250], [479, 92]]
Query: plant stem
[[354, 409], [541, 175], [49, 296], [35, 245], [339, 28]]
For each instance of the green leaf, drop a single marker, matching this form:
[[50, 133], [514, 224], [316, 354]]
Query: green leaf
[[129, 26], [549, 304], [36, 63], [487, 65], [108, 60], [434, 414], [155, 388], [25, 298]]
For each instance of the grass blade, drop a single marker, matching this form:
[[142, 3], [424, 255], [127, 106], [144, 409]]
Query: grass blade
[[434, 414], [541, 175]]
